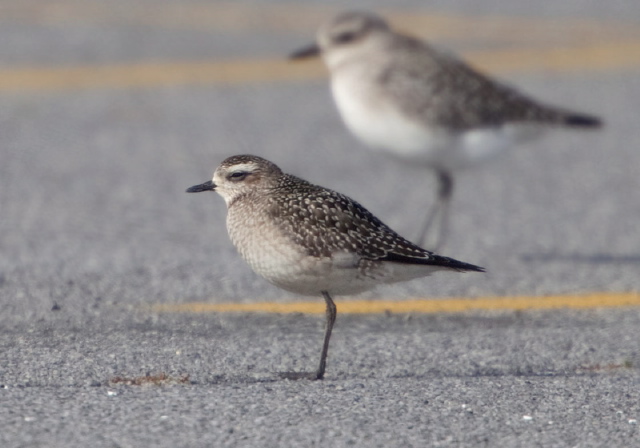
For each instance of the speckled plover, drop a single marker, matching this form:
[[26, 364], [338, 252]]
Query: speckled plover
[[311, 240]]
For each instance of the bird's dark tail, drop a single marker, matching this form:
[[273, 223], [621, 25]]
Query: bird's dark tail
[[457, 265], [431, 259], [581, 121]]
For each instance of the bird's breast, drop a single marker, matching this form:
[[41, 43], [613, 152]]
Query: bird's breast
[[273, 254], [374, 118]]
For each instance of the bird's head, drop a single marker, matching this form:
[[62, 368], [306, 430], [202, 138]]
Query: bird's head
[[344, 36], [238, 175]]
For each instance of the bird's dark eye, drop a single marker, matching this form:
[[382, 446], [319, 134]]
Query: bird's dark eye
[[237, 176], [345, 37]]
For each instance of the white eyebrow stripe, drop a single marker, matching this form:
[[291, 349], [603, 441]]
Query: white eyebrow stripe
[[243, 167]]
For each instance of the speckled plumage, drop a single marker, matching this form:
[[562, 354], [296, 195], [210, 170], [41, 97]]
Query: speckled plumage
[[328, 237], [312, 240], [400, 95]]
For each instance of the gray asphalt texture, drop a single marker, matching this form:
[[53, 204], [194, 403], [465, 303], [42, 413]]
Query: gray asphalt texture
[[95, 227]]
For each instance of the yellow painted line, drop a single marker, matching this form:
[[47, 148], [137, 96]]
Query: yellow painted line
[[427, 306], [148, 75], [600, 57], [604, 56]]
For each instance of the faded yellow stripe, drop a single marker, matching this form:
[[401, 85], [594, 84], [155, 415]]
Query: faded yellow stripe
[[598, 57], [427, 306], [149, 75], [604, 56]]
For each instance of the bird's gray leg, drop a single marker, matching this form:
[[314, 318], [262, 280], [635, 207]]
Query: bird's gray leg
[[331, 313], [438, 215]]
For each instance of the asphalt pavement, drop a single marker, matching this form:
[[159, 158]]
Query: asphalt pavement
[[110, 110]]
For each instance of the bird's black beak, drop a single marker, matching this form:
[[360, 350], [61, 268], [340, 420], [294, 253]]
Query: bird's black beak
[[309, 51], [207, 186]]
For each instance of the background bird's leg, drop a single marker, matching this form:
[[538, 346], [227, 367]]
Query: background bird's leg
[[438, 217], [331, 318]]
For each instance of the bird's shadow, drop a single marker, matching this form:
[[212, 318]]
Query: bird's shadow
[[276, 377], [593, 259]]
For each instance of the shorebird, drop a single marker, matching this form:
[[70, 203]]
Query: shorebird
[[311, 240], [400, 95]]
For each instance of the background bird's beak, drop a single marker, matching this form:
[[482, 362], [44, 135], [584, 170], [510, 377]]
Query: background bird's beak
[[207, 186], [309, 51]]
